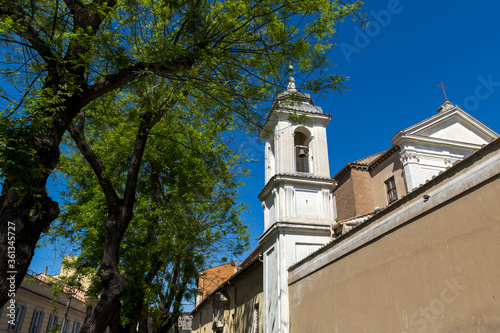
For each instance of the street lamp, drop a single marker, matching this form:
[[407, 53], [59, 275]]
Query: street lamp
[[70, 296]]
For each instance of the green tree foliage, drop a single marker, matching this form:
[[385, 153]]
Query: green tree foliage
[[60, 56], [185, 215]]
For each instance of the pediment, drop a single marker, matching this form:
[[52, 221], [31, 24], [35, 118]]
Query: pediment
[[453, 124], [456, 129]]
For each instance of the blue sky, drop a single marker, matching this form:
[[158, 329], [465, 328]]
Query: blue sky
[[395, 66]]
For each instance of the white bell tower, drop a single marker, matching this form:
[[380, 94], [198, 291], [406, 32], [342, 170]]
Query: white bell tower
[[297, 198]]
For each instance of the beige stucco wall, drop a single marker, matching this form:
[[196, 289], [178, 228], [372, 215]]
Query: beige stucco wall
[[249, 301], [36, 296], [202, 319], [390, 167], [437, 272]]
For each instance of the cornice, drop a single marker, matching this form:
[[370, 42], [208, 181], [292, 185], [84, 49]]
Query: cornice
[[388, 153], [348, 166], [296, 178], [414, 138], [289, 227]]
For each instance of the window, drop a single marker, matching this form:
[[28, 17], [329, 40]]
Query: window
[[88, 313], [390, 186], [18, 321], [36, 322], [65, 326], [76, 327], [52, 322]]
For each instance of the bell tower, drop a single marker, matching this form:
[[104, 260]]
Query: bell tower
[[297, 199]]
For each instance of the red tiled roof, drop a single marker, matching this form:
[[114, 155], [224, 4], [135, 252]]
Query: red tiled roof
[[210, 279]]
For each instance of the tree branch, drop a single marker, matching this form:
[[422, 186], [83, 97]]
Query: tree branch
[[84, 17], [110, 82], [176, 293], [32, 36], [148, 122], [78, 135]]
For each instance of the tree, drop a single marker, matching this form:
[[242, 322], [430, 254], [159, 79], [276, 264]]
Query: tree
[[61, 56], [185, 215]]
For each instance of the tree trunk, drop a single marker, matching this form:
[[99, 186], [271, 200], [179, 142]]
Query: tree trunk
[[26, 210], [108, 308], [143, 325], [19, 234]]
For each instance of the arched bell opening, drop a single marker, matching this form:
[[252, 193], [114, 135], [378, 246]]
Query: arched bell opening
[[301, 143]]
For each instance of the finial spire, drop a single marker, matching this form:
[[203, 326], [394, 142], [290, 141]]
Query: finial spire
[[291, 80], [291, 84], [290, 69]]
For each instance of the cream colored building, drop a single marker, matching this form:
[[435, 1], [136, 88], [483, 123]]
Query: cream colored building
[[33, 310]]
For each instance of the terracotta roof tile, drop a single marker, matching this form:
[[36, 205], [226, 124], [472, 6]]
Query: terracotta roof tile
[[213, 277]]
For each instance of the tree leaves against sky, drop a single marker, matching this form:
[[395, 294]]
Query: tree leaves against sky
[[60, 57]]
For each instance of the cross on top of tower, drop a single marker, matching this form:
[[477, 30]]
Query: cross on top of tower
[[443, 86]]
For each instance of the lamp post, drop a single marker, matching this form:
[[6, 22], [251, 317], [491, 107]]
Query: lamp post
[[63, 328]]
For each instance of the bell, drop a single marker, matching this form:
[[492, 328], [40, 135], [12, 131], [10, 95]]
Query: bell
[[303, 152]]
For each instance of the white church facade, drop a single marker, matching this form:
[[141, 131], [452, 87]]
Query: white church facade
[[319, 230], [297, 198]]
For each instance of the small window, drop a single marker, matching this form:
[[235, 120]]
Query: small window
[[18, 321], [88, 313], [76, 327], [390, 186], [65, 326], [52, 322], [36, 322]]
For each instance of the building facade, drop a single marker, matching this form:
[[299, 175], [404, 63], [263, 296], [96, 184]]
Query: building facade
[[405, 240], [235, 306], [418, 154], [427, 263], [34, 309]]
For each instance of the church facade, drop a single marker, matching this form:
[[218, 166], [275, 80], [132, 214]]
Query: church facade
[[401, 241]]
